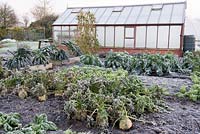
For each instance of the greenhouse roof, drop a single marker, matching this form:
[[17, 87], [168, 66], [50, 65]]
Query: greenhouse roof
[[165, 13]]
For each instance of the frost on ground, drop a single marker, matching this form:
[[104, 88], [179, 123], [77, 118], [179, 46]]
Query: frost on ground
[[172, 84], [183, 118]]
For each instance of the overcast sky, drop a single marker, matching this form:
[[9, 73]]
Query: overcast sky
[[24, 6]]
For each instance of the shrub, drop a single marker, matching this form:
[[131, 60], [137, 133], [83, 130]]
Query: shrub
[[3, 33], [16, 33], [86, 38]]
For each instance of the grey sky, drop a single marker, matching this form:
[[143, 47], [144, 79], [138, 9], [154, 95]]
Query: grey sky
[[24, 6]]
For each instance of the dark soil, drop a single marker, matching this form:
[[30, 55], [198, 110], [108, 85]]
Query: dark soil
[[184, 118]]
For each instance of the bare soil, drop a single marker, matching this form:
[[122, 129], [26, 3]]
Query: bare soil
[[184, 118]]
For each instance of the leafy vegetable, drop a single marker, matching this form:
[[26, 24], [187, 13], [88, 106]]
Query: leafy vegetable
[[191, 61], [40, 57], [91, 60], [20, 58], [54, 53], [101, 96], [149, 64], [40, 125], [194, 93], [10, 121], [75, 50], [119, 60]]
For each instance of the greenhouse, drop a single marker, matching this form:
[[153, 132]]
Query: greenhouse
[[132, 28]]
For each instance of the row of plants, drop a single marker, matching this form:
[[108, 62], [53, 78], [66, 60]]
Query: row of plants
[[11, 124], [37, 84], [24, 57], [148, 64], [191, 60], [193, 93], [101, 96]]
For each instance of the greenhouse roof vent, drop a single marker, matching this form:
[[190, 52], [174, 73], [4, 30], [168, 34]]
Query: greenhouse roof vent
[[76, 10], [118, 9], [157, 7]]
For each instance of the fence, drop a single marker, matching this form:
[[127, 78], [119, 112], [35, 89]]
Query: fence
[[23, 34]]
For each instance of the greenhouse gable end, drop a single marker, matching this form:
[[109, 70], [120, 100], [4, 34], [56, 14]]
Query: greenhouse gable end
[[134, 28]]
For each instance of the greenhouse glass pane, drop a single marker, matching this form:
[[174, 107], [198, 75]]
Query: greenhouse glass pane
[[124, 15], [70, 18], [105, 16], [166, 14], [75, 19], [129, 32], [151, 36], [178, 13], [129, 43], [65, 36], [56, 28], [65, 28], [140, 37], [113, 18], [93, 10], [57, 36], [144, 15], [174, 40], [154, 17], [99, 13], [119, 36], [100, 35], [163, 33], [85, 10], [133, 15], [109, 36], [73, 32], [63, 16]]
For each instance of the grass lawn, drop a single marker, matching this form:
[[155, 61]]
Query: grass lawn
[[13, 46]]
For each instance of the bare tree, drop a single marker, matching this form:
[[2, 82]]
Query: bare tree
[[25, 21], [8, 17], [42, 9]]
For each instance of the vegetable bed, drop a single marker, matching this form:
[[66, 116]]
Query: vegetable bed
[[184, 118], [104, 97]]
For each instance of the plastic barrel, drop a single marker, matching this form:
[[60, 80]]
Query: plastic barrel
[[189, 43]]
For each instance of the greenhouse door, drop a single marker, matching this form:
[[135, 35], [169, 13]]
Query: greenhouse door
[[129, 37]]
